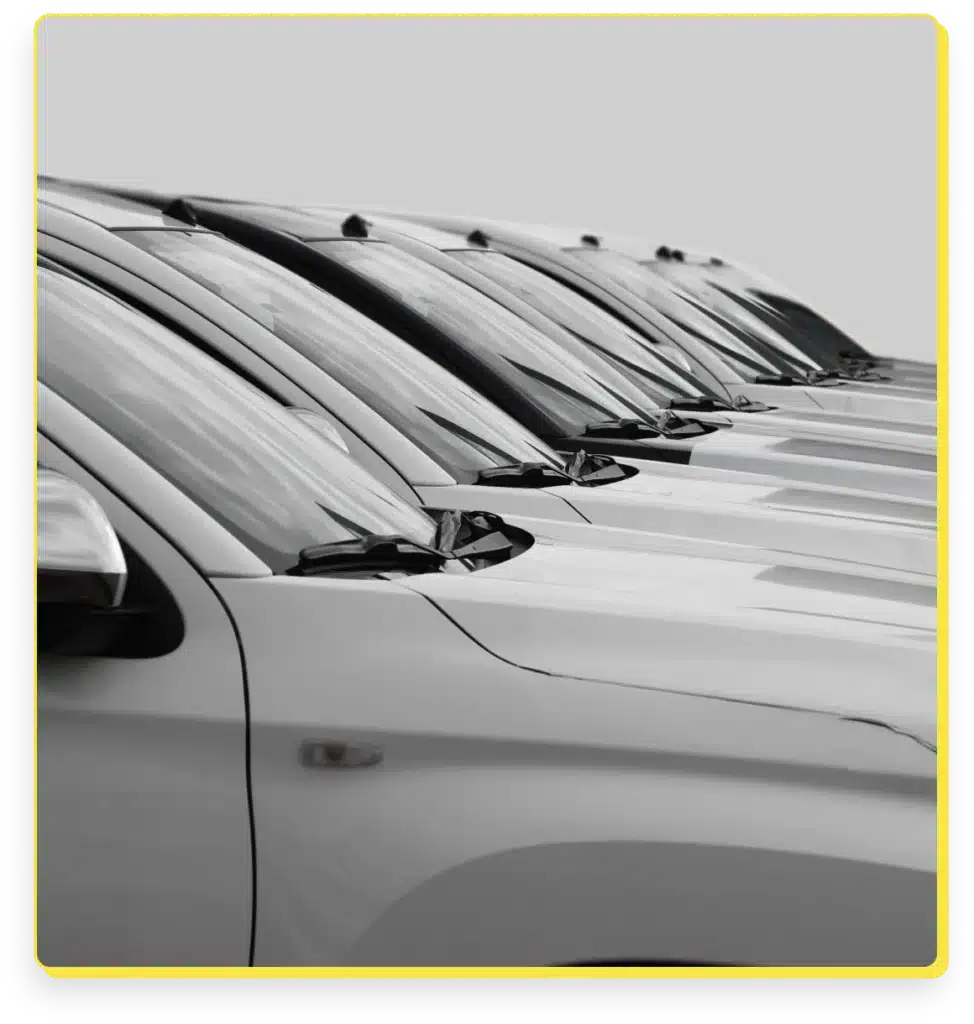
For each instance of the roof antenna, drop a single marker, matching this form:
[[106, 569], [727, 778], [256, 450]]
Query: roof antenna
[[663, 253], [355, 226], [179, 209], [478, 237], [593, 240]]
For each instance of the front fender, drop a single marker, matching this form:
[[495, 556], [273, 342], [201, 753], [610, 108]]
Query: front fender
[[628, 902]]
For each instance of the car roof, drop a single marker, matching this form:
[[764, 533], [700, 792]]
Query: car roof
[[102, 208], [303, 224], [562, 237], [445, 241]]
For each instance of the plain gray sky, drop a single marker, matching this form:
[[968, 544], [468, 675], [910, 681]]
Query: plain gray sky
[[803, 147]]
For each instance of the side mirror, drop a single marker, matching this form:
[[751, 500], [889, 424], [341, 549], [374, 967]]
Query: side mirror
[[79, 558], [321, 426]]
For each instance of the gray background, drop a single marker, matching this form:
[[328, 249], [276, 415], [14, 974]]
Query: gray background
[[803, 147]]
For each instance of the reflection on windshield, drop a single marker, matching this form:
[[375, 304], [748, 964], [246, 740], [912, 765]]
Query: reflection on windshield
[[661, 381], [453, 424], [716, 302], [686, 314], [492, 332], [269, 479]]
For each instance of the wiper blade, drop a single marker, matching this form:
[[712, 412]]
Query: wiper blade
[[621, 428], [673, 425], [665, 424], [850, 373], [704, 403], [375, 553], [744, 404], [524, 474], [593, 470], [819, 378], [474, 536], [867, 362], [794, 380]]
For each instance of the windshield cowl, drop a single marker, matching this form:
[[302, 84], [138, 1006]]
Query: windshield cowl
[[463, 542], [524, 474], [665, 424]]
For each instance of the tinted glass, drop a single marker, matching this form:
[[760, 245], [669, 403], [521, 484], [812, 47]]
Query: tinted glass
[[693, 280], [449, 421], [660, 381], [255, 467], [689, 315], [558, 383]]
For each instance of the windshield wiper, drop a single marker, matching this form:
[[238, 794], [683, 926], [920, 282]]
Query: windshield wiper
[[524, 474], [375, 553], [629, 429], [791, 380], [744, 404], [703, 403], [850, 373], [479, 537], [666, 424], [593, 470], [818, 378], [474, 538], [867, 362]]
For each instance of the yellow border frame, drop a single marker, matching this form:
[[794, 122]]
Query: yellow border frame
[[934, 970]]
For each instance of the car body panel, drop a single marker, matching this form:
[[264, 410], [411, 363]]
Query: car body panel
[[802, 791], [143, 827], [764, 525], [501, 761], [878, 646]]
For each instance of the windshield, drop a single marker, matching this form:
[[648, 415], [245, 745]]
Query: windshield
[[806, 329], [653, 290], [646, 366], [254, 466], [453, 424], [564, 388], [745, 320]]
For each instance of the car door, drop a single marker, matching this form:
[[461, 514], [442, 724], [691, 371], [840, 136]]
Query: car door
[[144, 853]]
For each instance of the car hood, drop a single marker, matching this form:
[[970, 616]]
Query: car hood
[[783, 519], [741, 630], [842, 430], [846, 397], [713, 487], [863, 531], [835, 463]]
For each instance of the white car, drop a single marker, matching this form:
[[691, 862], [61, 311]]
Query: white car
[[439, 443], [560, 389], [772, 302], [645, 300], [286, 718], [661, 370]]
